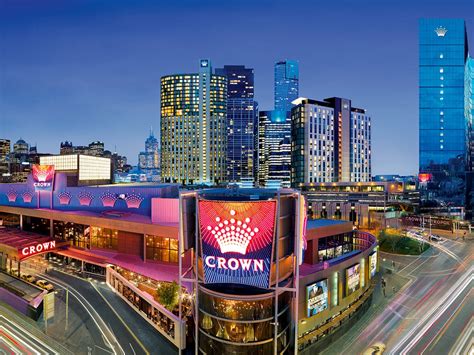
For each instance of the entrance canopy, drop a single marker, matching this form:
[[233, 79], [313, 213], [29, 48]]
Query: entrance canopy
[[24, 244]]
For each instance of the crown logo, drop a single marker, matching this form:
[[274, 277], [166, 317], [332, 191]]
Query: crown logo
[[233, 235], [441, 31], [42, 173]]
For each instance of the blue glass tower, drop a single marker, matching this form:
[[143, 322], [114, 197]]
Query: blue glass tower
[[443, 125], [286, 84], [241, 118]]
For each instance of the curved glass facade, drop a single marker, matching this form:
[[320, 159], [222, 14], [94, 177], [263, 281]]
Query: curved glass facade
[[241, 326]]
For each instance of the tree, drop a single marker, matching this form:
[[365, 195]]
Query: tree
[[167, 294]]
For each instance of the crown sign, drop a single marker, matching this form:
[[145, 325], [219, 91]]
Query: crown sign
[[233, 236], [441, 31]]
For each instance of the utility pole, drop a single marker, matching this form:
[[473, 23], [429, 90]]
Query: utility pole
[[67, 307]]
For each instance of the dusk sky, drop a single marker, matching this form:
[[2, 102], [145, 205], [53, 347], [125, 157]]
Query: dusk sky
[[90, 70]]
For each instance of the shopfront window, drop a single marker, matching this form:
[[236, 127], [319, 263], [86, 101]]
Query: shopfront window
[[161, 248], [334, 246], [36, 225], [104, 238], [71, 232]]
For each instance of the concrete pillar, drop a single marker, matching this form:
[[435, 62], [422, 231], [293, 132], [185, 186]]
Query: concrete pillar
[[51, 228], [21, 222]]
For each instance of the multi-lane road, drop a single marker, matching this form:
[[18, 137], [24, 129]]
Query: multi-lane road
[[431, 314]]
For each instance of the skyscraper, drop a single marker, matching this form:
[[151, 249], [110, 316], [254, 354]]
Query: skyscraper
[[286, 84], [241, 117], [274, 158], [193, 127], [5, 149], [443, 126], [149, 160], [331, 142]]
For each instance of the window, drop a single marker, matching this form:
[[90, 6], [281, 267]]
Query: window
[[161, 248], [104, 238]]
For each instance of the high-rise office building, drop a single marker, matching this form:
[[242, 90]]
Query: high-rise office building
[[149, 160], [331, 142], [274, 158], [193, 127], [286, 84], [5, 150], [96, 148], [20, 147], [241, 120], [443, 149]]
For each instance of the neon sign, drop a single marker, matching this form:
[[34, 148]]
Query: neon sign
[[237, 241], [36, 249], [43, 176]]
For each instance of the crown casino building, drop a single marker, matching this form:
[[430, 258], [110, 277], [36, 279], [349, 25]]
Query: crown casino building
[[255, 275]]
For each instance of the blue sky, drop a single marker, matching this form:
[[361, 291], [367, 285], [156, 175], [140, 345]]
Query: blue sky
[[90, 70]]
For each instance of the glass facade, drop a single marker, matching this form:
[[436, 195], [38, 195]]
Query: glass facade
[[161, 249], [274, 136], [286, 84], [193, 127], [443, 127], [241, 116], [104, 238]]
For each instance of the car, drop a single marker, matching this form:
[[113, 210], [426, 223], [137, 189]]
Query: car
[[375, 349], [45, 285], [436, 238], [29, 278]]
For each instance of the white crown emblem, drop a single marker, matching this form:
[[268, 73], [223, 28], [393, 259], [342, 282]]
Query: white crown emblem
[[441, 31], [233, 236]]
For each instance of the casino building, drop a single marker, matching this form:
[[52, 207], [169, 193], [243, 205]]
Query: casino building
[[255, 275]]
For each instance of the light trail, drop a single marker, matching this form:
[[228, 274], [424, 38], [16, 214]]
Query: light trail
[[90, 310], [427, 321]]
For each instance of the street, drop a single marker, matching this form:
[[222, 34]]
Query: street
[[114, 326], [431, 309]]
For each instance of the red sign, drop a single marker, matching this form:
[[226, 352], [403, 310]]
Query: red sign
[[36, 249], [237, 240], [424, 177], [43, 176]]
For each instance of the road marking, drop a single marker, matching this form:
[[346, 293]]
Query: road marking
[[120, 318], [73, 292], [134, 353]]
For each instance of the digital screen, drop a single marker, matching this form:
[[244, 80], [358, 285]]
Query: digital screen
[[373, 263], [43, 176], [352, 279], [317, 297], [237, 241]]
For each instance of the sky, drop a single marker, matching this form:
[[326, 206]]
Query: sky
[[84, 70]]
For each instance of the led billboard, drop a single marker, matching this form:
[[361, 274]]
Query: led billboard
[[237, 241], [43, 176], [317, 297], [352, 279], [373, 264]]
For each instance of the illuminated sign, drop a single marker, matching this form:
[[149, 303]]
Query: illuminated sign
[[39, 248], [317, 297], [352, 279], [303, 224], [441, 31], [237, 241], [43, 176], [424, 177], [373, 264]]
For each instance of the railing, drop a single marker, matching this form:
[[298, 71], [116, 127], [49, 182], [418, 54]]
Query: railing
[[167, 323]]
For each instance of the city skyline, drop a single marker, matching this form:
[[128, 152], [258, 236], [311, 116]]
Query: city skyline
[[70, 67]]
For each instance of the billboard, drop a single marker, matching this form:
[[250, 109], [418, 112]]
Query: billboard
[[43, 176], [317, 297], [237, 241], [373, 264], [352, 279]]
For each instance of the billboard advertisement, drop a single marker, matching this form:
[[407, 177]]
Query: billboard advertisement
[[237, 241], [43, 176], [317, 297], [373, 264], [352, 279]]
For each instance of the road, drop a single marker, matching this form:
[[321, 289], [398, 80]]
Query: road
[[119, 329], [431, 314]]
